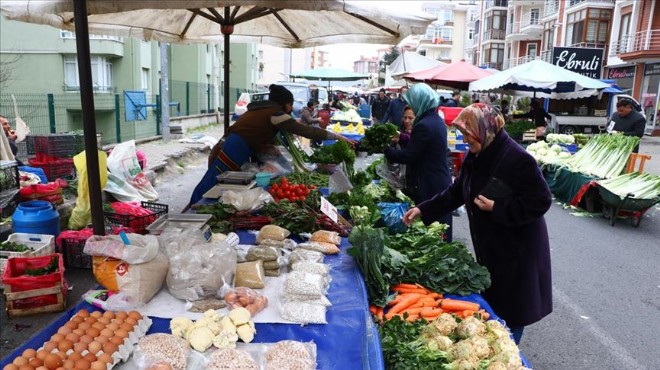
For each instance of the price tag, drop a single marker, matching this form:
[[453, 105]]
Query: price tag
[[308, 150], [328, 209]]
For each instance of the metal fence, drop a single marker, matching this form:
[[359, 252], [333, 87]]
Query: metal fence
[[119, 117]]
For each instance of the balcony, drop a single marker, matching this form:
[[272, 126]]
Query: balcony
[[551, 9], [491, 35], [572, 3], [496, 4], [645, 44], [545, 56], [598, 45], [435, 43], [529, 28]]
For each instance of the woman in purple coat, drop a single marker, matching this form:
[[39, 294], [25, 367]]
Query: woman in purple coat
[[506, 197]]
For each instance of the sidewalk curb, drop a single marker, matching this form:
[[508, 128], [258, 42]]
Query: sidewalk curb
[[153, 171]]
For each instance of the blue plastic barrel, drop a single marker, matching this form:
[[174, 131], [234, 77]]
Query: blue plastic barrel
[[36, 217]]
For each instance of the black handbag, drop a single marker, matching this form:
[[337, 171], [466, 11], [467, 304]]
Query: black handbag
[[496, 189]]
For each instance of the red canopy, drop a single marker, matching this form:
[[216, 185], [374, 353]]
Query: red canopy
[[456, 75]]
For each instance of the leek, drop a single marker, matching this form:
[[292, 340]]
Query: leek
[[634, 185], [605, 156]]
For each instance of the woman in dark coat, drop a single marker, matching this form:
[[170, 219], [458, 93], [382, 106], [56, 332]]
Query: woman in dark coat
[[425, 155], [508, 230]]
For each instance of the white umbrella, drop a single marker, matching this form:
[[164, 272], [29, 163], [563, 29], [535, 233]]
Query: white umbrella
[[280, 23], [540, 79], [410, 62]]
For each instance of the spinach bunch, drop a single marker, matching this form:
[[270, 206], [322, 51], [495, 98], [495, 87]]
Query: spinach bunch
[[367, 250], [378, 137]]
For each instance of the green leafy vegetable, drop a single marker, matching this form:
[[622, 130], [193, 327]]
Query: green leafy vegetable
[[50, 268], [403, 351], [367, 250], [378, 137], [13, 247]]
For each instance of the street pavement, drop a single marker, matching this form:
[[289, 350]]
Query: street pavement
[[605, 279]]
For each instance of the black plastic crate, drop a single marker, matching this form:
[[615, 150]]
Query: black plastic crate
[[138, 223], [9, 179], [72, 250], [9, 200]]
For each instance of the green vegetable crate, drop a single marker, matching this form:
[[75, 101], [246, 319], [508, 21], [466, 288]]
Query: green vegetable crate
[[34, 285], [39, 245]]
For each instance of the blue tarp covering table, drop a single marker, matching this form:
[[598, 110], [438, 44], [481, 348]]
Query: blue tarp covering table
[[348, 341]]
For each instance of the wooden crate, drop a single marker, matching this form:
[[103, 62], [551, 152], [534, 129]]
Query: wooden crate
[[11, 298]]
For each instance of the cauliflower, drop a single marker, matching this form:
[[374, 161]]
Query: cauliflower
[[246, 333], [439, 343], [496, 365], [226, 339], [470, 327], [463, 364], [480, 347]]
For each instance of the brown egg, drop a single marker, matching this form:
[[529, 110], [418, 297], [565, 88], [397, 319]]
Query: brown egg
[[135, 315], [41, 354], [95, 347], [126, 326], [113, 326], [75, 356], [99, 325], [77, 319], [35, 362], [117, 340], [50, 345], [83, 313], [104, 320], [130, 320], [42, 367], [79, 332], [96, 314], [25, 367], [65, 345], [62, 355], [105, 358], [90, 357], [73, 337], [52, 361], [82, 364], [121, 315], [94, 332], [98, 365], [118, 321], [30, 353], [64, 330], [80, 347], [57, 337], [71, 325], [102, 339], [84, 326], [109, 314], [121, 333], [10, 367], [20, 361], [107, 332], [110, 348], [90, 319], [68, 364]]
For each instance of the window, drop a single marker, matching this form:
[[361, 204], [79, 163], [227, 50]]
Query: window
[[64, 34], [588, 27], [444, 55], [534, 16], [470, 34], [445, 34], [549, 35], [624, 29], [101, 74], [495, 25], [446, 15], [531, 50], [494, 55], [145, 78]]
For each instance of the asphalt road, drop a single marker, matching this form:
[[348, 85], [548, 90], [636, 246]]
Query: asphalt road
[[606, 288]]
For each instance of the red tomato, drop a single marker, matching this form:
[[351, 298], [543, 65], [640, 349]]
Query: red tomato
[[284, 181], [275, 186], [280, 194], [306, 191]]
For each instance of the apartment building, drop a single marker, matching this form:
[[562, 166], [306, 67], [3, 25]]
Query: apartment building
[[38, 65], [619, 39], [446, 38]]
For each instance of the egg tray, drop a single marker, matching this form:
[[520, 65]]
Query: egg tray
[[125, 350]]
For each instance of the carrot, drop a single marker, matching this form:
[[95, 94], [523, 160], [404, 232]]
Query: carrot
[[373, 309], [407, 290], [449, 304], [404, 303], [412, 318], [405, 286], [430, 312], [435, 295], [466, 313], [379, 314], [412, 310]]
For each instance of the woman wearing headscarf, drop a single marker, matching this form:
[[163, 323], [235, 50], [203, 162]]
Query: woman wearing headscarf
[[425, 155], [506, 197], [253, 132]]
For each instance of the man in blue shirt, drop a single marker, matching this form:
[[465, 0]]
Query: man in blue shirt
[[394, 111], [454, 101]]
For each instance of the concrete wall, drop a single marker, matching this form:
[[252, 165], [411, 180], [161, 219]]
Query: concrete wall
[[190, 122]]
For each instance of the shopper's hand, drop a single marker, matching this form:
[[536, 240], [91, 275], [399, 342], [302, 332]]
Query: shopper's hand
[[12, 135], [484, 203], [350, 142], [411, 215], [395, 139]]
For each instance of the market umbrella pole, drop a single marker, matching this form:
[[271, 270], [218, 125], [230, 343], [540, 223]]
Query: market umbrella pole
[[89, 121], [227, 30]]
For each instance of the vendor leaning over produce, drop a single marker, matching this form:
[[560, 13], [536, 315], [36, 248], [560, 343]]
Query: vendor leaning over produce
[[253, 132], [627, 121], [506, 197], [425, 155]]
